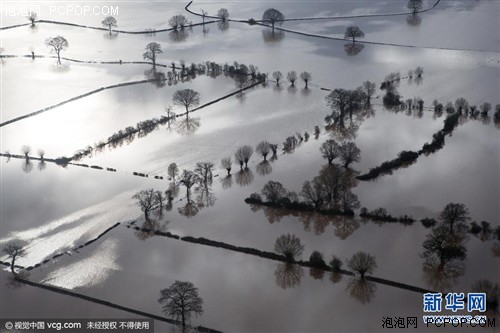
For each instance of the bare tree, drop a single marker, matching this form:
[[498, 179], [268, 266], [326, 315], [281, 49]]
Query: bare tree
[[306, 77], [32, 16], [178, 22], [152, 50], [414, 6], [263, 148], [273, 191], [242, 155], [203, 15], [146, 200], [109, 22], [313, 192], [181, 301], [330, 150], [369, 90], [292, 77], [204, 170], [26, 151], [419, 71], [186, 98], [173, 171], [461, 105], [348, 153], [455, 213], [353, 32], [14, 250], [188, 179], [59, 44], [226, 163], [362, 263], [223, 14], [289, 246], [277, 75], [273, 16]]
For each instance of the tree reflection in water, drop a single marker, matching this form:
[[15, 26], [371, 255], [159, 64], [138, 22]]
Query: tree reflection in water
[[13, 283], [27, 166], [158, 78], [149, 227], [178, 35], [361, 290], [442, 275], [189, 210], [264, 168], [316, 273], [345, 226], [335, 277], [492, 291], [223, 25], [413, 19], [288, 275], [42, 165], [353, 49], [227, 182], [244, 177], [187, 125], [272, 36]]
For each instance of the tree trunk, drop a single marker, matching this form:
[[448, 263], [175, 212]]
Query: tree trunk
[[12, 264], [228, 172]]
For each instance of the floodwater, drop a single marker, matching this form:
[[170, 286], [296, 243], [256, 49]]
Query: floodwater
[[54, 209]]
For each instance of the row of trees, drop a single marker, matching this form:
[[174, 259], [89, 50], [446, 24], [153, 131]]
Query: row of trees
[[345, 103], [292, 76], [348, 152], [290, 247]]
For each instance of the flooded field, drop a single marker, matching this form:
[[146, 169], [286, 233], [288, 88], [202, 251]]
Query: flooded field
[[76, 218]]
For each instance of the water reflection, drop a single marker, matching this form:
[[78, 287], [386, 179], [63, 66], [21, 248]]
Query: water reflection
[[13, 283], [288, 275], [158, 78], [264, 168], [223, 25], [189, 210], [60, 68], [318, 221], [442, 276], [42, 165], [345, 226], [352, 49], [413, 19], [110, 35], [187, 125], [335, 277], [206, 196], [27, 166], [244, 177], [178, 35], [316, 273], [272, 36], [149, 227], [362, 290], [227, 182]]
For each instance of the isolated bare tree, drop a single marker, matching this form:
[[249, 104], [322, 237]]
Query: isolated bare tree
[[306, 77], [26, 151], [226, 163], [263, 149], [147, 200], [273, 16], [173, 171], [288, 246], [32, 16], [181, 301], [292, 77], [186, 98], [362, 263], [59, 44], [455, 214], [13, 251], [223, 14], [277, 75], [242, 155], [109, 22], [188, 179], [353, 32], [152, 50]]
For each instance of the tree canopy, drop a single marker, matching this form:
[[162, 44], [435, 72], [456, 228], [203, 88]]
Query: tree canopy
[[181, 301], [353, 32]]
